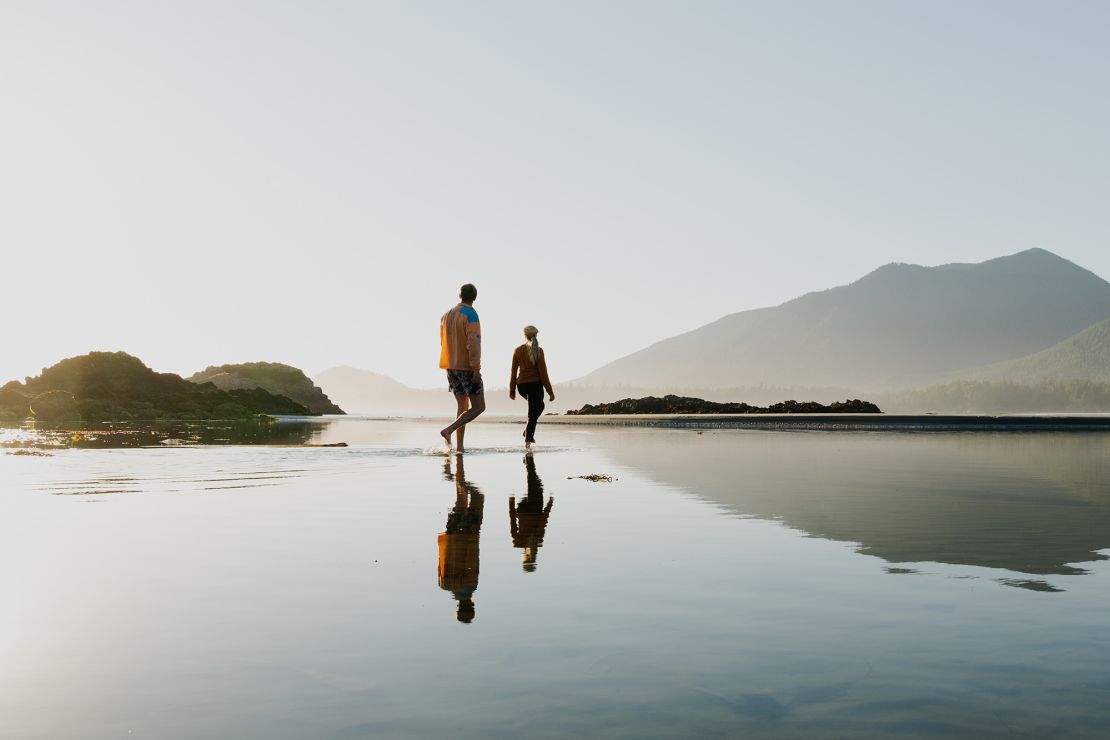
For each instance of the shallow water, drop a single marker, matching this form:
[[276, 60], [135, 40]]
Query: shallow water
[[774, 584]]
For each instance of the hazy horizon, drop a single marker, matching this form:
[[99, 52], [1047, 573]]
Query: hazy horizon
[[208, 183]]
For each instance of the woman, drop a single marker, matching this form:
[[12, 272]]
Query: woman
[[529, 374]]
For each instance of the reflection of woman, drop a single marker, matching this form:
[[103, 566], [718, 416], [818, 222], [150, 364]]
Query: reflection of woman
[[529, 374], [528, 519], [458, 545]]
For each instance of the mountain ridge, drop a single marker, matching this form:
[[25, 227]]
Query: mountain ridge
[[1082, 356], [894, 324]]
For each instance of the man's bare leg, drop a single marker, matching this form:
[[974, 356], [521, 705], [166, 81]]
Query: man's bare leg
[[461, 402], [464, 404], [477, 406]]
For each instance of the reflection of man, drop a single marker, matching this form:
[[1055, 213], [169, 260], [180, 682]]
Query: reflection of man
[[458, 546], [528, 520]]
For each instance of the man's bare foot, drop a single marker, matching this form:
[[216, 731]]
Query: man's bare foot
[[446, 440]]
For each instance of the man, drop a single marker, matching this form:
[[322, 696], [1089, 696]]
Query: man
[[460, 354]]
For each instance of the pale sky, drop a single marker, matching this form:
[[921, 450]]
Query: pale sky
[[208, 182]]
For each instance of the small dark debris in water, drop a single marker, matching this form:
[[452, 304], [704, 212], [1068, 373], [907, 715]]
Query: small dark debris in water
[[91, 492], [30, 453], [331, 444], [902, 571], [1031, 585], [699, 432], [595, 477]]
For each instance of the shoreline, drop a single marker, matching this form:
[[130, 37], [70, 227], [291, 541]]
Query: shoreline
[[835, 422]]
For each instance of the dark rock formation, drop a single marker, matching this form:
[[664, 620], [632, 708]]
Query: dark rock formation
[[114, 386], [275, 377], [684, 405]]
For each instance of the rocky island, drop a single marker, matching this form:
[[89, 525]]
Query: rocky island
[[685, 405], [274, 377], [115, 386]]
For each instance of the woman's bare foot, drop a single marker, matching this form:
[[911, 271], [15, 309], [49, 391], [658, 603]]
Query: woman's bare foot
[[446, 439]]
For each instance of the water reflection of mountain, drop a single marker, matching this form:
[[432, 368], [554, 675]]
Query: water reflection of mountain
[[146, 434], [1030, 503]]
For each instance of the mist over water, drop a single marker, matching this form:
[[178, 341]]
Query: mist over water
[[779, 584]]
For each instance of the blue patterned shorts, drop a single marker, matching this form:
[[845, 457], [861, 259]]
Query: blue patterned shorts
[[462, 383]]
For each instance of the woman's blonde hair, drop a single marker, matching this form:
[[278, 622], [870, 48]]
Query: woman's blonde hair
[[530, 333]]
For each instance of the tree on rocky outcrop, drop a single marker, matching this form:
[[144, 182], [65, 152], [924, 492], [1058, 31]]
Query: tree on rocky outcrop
[[275, 377], [115, 386]]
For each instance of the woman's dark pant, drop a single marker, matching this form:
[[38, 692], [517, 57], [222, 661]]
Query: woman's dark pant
[[534, 393]]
